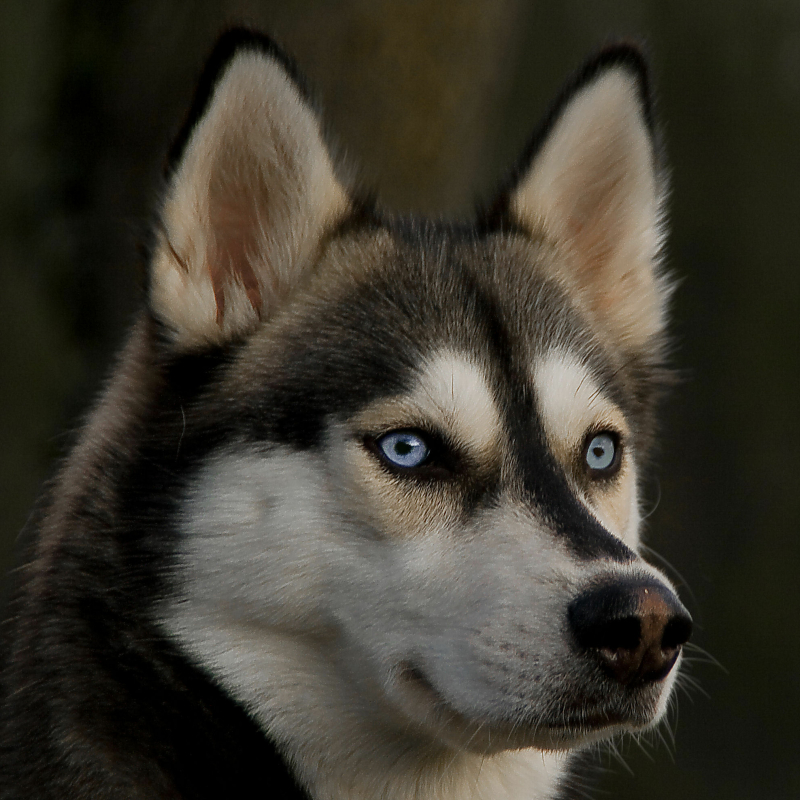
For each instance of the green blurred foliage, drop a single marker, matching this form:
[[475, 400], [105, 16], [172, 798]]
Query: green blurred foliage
[[433, 101]]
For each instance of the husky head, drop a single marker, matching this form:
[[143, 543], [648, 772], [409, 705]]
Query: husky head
[[408, 453]]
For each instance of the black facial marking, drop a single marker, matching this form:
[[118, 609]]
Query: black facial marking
[[369, 344], [190, 374], [355, 354], [443, 462], [542, 478], [545, 483]]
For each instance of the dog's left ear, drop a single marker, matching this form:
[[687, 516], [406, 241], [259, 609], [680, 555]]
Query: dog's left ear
[[592, 180]]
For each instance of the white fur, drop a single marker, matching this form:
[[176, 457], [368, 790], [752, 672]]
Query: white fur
[[571, 404], [263, 568], [392, 645], [453, 391]]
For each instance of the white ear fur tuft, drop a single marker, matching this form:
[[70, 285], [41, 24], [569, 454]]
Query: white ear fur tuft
[[595, 186], [247, 206]]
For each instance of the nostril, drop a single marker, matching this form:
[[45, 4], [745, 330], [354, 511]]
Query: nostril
[[613, 634], [677, 632]]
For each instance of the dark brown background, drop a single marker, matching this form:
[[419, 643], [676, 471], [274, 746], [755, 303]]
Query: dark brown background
[[434, 99]]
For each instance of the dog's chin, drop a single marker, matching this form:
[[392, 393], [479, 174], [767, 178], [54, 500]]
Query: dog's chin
[[595, 720]]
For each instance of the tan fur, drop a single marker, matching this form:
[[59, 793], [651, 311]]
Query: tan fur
[[452, 397], [273, 649], [311, 578], [593, 188], [454, 392], [247, 208]]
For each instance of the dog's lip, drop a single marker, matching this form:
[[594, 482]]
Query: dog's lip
[[588, 722], [409, 673], [571, 723]]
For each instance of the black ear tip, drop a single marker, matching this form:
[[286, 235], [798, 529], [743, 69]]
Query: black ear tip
[[238, 39], [624, 53], [230, 43], [628, 55]]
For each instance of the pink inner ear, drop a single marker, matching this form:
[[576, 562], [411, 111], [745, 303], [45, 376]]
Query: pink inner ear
[[594, 249], [596, 224], [232, 249]]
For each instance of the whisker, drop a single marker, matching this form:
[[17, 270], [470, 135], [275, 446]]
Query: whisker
[[670, 568], [686, 682], [637, 738], [655, 504], [614, 751], [706, 657]]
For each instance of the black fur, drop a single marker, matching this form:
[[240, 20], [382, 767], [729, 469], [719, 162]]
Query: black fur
[[97, 704], [87, 650]]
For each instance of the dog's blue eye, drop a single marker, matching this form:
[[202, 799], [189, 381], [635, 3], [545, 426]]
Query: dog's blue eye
[[601, 452], [404, 449]]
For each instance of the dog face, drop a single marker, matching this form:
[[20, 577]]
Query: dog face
[[411, 502]]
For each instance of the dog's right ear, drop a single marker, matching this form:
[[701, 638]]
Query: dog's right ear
[[251, 192]]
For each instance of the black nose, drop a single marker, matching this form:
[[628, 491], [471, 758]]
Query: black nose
[[634, 627]]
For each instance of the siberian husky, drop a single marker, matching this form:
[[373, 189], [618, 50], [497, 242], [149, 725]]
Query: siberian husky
[[357, 514]]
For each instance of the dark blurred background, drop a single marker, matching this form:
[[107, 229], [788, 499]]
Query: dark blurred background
[[434, 100]]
